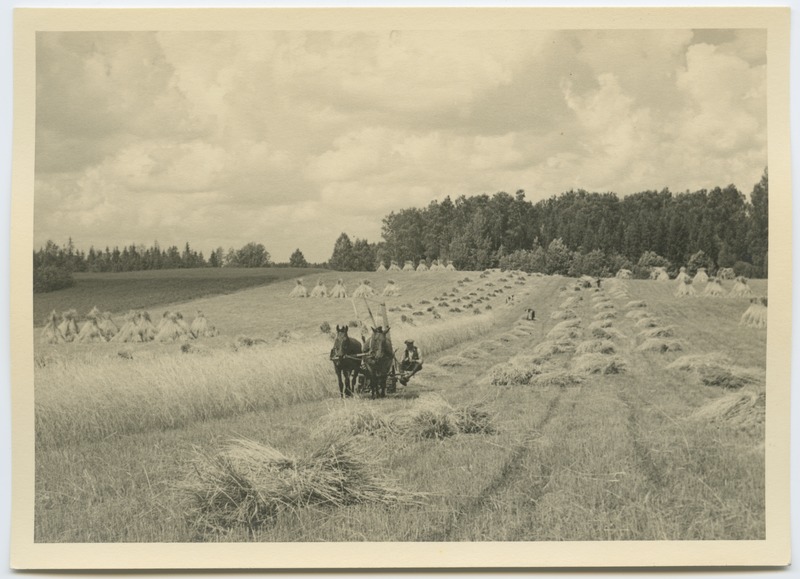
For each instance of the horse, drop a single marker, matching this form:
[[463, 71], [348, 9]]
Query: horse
[[346, 359], [378, 361]]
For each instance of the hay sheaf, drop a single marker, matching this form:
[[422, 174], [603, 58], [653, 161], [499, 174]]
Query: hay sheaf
[[603, 306], [647, 323], [473, 353], [573, 323], [661, 345], [599, 364], [657, 332], [731, 378], [600, 324], [563, 315], [607, 334], [755, 315], [744, 410], [696, 361], [249, 484], [452, 361], [517, 371], [564, 333], [636, 304], [356, 418], [432, 417], [607, 315], [595, 346], [557, 379], [638, 314], [551, 348]]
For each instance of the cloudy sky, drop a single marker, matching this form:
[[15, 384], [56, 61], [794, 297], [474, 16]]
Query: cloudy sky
[[290, 138]]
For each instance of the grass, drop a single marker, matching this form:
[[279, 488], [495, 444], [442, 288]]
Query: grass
[[626, 456], [120, 292]]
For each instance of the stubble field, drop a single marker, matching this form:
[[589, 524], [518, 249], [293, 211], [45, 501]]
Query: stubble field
[[588, 434]]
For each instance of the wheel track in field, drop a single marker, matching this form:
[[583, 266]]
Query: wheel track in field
[[512, 468], [515, 464]]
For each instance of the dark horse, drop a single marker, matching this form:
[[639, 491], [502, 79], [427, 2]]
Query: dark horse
[[346, 360], [378, 361]]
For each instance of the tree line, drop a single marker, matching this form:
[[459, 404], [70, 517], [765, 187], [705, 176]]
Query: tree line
[[54, 264], [577, 232], [574, 233]]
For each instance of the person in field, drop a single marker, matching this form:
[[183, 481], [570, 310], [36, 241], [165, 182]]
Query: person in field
[[411, 363]]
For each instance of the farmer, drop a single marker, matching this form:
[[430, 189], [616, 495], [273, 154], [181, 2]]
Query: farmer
[[598, 282], [411, 363]]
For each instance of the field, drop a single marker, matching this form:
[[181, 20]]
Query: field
[[592, 435], [121, 292]]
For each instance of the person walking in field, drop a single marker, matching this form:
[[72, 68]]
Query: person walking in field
[[411, 363]]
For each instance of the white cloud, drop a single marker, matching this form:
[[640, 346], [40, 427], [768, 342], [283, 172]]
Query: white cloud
[[290, 138]]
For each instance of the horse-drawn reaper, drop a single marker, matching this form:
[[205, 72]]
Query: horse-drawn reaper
[[367, 366]]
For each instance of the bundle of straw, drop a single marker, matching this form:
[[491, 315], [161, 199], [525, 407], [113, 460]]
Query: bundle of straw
[[339, 290], [364, 290], [740, 288], [745, 409], [685, 289], [68, 325], [756, 314], [660, 345], [107, 326], [320, 290], [249, 484], [299, 290], [391, 289], [713, 288], [51, 334], [701, 276], [201, 327], [599, 364]]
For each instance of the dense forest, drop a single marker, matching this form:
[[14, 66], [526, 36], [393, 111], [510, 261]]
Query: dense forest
[[577, 232], [574, 233]]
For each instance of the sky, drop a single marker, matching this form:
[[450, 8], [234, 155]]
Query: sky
[[290, 138]]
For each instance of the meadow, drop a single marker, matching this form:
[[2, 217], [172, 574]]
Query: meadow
[[120, 292], [579, 448]]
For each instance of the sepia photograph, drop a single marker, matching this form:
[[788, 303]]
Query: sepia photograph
[[403, 279]]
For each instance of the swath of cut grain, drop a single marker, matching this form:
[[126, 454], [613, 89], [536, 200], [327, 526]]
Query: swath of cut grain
[[638, 314], [599, 364], [595, 346], [657, 332], [661, 345], [607, 315], [696, 361], [607, 334], [557, 379]]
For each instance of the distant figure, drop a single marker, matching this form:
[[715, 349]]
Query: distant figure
[[598, 282], [530, 315], [411, 363]]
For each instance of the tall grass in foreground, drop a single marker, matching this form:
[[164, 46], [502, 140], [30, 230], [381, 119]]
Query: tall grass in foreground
[[78, 402]]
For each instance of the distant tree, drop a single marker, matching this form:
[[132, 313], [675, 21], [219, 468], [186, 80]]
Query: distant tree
[[557, 258], [342, 257], [48, 278], [646, 263], [297, 259], [698, 260], [252, 255], [758, 230]]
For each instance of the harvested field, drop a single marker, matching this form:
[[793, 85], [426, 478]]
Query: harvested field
[[452, 456]]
